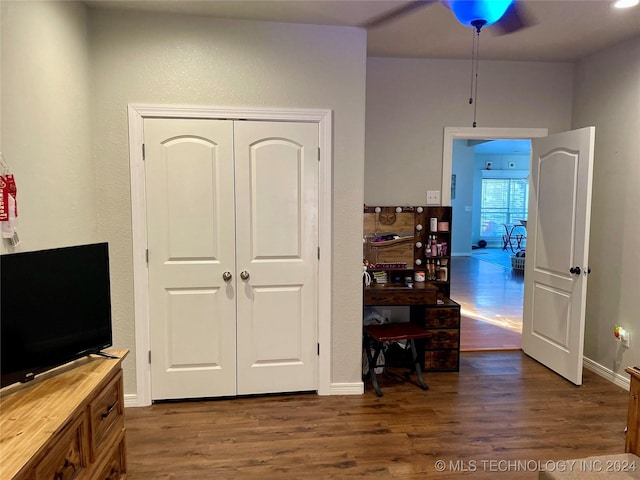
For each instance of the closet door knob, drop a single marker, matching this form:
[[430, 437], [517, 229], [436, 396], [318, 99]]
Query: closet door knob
[[226, 276], [244, 275]]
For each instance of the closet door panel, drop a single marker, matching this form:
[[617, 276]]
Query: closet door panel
[[276, 229], [190, 229]]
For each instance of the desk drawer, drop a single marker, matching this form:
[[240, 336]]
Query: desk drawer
[[105, 412], [441, 360], [417, 297], [115, 467], [446, 317], [444, 339], [68, 459]]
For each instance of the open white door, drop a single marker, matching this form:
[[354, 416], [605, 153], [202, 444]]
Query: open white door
[[557, 256]]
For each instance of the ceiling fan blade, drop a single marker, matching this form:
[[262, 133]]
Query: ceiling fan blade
[[397, 12], [515, 18]]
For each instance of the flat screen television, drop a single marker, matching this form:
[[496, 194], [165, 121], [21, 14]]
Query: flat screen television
[[55, 307]]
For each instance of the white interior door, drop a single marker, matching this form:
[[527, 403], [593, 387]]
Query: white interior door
[[212, 213], [277, 255], [557, 260], [190, 224]]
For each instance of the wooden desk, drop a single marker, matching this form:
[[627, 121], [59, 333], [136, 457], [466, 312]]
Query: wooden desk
[[442, 351]]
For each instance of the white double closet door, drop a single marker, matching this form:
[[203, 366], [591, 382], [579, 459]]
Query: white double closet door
[[232, 210]]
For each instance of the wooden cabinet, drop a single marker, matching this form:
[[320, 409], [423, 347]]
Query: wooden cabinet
[[67, 424], [439, 315], [442, 352], [632, 442], [398, 241]]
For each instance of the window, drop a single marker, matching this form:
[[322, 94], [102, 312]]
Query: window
[[504, 200]]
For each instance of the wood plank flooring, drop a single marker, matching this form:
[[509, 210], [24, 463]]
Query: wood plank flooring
[[490, 294], [477, 335], [500, 407]]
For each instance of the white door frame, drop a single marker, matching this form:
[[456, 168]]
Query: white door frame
[[454, 133], [137, 113]]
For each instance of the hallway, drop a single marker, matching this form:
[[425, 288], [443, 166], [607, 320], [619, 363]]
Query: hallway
[[490, 294]]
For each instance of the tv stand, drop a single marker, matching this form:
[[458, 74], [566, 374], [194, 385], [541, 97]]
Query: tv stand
[[66, 424]]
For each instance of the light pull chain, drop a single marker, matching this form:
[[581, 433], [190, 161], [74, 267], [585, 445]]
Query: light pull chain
[[475, 63], [475, 94], [473, 53]]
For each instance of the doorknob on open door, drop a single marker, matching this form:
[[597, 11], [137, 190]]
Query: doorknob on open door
[[244, 275], [574, 270], [226, 276]]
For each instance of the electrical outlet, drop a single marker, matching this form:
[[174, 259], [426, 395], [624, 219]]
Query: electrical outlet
[[488, 165], [386, 313], [433, 197], [622, 335]]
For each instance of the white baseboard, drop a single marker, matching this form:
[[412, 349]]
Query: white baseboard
[[356, 388], [613, 377], [131, 400]]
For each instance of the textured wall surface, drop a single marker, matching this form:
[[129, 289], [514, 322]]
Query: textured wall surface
[[607, 95], [46, 127], [169, 59], [411, 101]]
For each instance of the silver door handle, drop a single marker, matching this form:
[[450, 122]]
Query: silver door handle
[[226, 276], [244, 275]]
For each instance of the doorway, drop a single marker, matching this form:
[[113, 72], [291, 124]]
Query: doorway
[[489, 290]]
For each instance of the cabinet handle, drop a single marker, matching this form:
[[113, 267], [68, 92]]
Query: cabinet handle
[[59, 475], [113, 474], [109, 409]]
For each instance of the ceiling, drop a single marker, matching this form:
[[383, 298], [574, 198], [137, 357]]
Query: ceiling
[[564, 30], [501, 147]]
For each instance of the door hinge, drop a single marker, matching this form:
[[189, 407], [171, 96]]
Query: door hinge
[[146, 255], [318, 253], [318, 153], [144, 153], [149, 356], [318, 348]]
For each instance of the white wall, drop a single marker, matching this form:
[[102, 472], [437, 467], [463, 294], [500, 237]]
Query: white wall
[[46, 128], [410, 101], [607, 95], [173, 59]]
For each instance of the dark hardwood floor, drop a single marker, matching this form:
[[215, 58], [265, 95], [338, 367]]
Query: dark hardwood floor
[[501, 416]]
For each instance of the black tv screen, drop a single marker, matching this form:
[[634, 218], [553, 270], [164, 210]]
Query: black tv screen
[[55, 306]]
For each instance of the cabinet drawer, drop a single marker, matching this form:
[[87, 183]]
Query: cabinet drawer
[[442, 317], [441, 360], [415, 297], [114, 468], [68, 458], [105, 411], [444, 339]]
